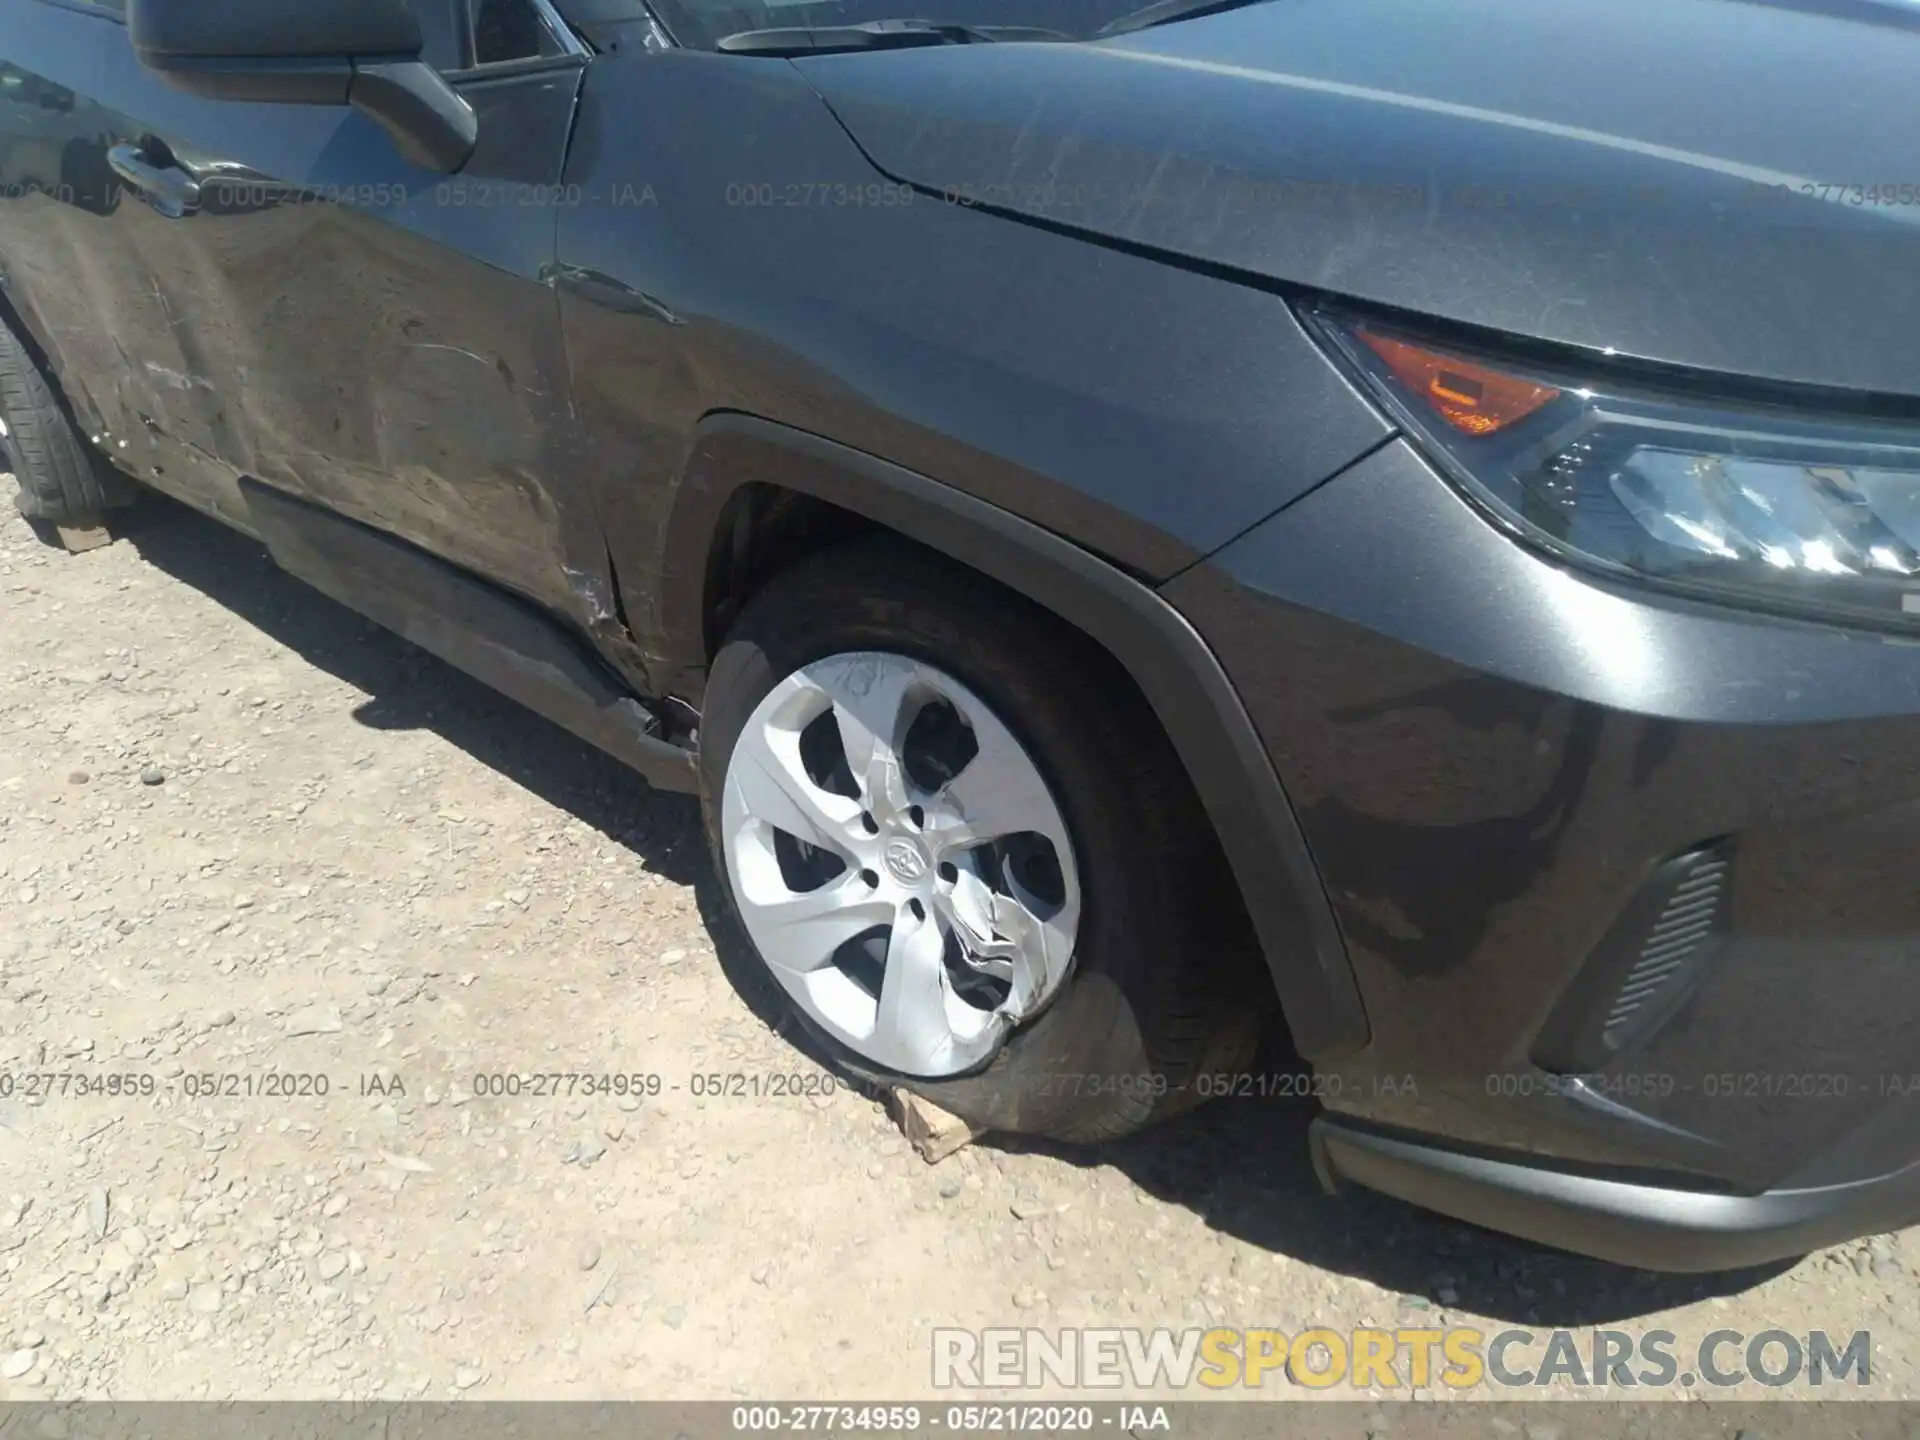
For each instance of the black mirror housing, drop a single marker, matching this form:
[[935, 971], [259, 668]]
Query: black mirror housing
[[363, 53], [282, 29]]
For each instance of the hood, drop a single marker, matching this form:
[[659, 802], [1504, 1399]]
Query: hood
[[1720, 184]]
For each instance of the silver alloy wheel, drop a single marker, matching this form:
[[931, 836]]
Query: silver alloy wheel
[[899, 862]]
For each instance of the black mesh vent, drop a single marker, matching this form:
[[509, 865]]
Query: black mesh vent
[[1659, 949], [1690, 920]]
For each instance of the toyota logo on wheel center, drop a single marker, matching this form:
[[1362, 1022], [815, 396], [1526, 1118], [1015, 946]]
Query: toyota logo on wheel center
[[907, 860]]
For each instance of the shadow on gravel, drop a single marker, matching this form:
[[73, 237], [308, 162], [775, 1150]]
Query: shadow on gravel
[[412, 690], [1241, 1165]]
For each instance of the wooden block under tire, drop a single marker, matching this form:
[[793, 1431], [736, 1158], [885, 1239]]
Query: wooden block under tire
[[82, 536], [934, 1133]]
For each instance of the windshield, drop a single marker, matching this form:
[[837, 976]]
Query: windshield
[[701, 23]]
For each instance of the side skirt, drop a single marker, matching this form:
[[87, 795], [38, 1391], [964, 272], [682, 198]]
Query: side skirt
[[472, 625]]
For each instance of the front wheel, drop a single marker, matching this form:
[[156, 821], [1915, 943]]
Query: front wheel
[[61, 478], [965, 854]]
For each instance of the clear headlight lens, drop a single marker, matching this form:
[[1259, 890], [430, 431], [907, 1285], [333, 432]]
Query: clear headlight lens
[[1769, 506]]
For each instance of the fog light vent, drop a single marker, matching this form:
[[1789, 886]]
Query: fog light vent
[[1651, 960], [1689, 922]]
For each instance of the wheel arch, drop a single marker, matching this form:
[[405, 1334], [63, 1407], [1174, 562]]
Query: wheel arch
[[1171, 665], [13, 314], [18, 314]]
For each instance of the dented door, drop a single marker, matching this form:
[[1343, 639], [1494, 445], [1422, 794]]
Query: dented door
[[301, 304], [391, 346], [388, 341], [88, 269]]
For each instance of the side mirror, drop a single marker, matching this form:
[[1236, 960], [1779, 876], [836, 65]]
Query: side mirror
[[363, 53]]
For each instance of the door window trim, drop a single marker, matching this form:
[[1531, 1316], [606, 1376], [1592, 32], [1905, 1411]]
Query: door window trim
[[572, 43], [574, 50]]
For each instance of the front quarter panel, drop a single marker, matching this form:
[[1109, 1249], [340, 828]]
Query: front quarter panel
[[737, 252]]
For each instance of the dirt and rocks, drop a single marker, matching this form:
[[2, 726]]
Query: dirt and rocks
[[279, 892]]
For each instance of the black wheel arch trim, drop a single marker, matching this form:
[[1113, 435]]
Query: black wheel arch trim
[[1174, 668]]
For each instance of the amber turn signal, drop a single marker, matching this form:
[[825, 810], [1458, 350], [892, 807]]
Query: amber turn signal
[[1469, 397]]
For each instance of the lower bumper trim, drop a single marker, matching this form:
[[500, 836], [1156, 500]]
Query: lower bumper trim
[[1630, 1223]]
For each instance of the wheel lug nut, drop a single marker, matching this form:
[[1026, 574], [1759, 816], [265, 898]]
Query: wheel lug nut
[[873, 880], [871, 825], [949, 872], [918, 816], [919, 910]]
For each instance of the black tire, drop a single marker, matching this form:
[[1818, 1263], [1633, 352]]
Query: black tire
[[62, 479], [1166, 982]]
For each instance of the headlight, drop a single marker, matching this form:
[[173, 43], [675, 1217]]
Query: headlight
[[1764, 505]]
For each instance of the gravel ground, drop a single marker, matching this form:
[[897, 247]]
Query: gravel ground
[[244, 834]]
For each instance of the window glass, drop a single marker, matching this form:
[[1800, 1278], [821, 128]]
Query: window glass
[[511, 30], [440, 27]]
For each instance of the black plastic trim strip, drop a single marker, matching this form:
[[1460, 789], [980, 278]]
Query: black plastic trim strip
[[1628, 1221], [472, 625]]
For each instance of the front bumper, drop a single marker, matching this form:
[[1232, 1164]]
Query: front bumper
[[1653, 1226], [1494, 759]]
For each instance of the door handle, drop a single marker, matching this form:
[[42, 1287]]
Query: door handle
[[168, 188]]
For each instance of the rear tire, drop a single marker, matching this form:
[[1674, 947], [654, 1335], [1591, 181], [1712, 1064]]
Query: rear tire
[[1165, 981], [62, 480]]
